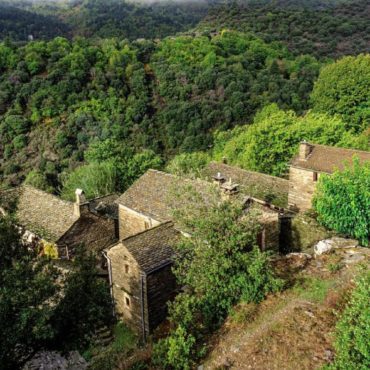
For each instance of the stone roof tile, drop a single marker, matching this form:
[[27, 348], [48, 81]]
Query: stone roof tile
[[153, 247], [258, 185], [324, 158], [151, 194], [42, 213]]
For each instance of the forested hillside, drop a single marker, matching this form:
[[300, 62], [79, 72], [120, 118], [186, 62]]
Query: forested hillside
[[18, 24], [58, 97], [97, 18], [343, 28]]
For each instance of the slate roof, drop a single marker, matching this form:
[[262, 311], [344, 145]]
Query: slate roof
[[151, 194], [258, 185], [41, 213], [153, 247], [105, 205], [326, 158], [94, 231]]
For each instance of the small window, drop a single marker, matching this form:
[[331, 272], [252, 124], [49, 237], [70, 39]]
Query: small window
[[127, 301], [314, 176], [147, 225], [127, 269]]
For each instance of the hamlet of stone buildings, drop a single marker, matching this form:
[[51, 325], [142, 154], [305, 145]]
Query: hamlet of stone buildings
[[133, 234]]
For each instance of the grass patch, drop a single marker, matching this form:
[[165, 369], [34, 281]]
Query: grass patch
[[313, 289], [105, 358], [124, 338]]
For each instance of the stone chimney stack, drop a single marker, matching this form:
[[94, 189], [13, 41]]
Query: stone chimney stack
[[229, 189], [219, 179], [81, 204], [305, 149]]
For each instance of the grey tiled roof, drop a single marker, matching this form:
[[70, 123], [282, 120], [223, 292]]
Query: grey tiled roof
[[151, 194], [255, 184], [41, 213], [153, 247], [324, 158]]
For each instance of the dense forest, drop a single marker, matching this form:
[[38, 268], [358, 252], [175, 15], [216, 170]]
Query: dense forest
[[58, 97], [130, 95], [93, 93], [332, 31]]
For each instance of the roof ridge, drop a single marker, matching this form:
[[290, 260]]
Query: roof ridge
[[250, 171], [46, 193], [162, 224], [341, 148]]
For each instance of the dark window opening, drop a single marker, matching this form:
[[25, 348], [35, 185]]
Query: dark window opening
[[127, 269], [127, 301], [314, 176]]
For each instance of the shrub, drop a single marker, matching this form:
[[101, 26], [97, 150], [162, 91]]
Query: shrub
[[343, 88], [96, 179], [188, 164], [342, 201], [353, 330], [219, 265]]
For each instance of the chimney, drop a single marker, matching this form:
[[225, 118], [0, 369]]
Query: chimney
[[305, 149], [219, 179], [81, 204], [229, 189]]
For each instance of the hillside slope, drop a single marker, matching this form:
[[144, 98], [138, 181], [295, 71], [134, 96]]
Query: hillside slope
[[295, 327], [332, 31]]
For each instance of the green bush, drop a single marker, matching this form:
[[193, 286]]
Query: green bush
[[219, 265], [343, 88], [188, 164], [352, 343], [96, 179], [342, 201]]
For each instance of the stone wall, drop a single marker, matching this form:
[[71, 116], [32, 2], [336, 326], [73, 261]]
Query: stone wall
[[161, 288], [131, 222], [126, 285], [301, 188], [300, 232]]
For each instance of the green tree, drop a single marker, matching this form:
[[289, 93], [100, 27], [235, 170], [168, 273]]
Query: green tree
[[96, 179], [343, 88], [342, 201], [219, 265], [353, 330], [272, 140], [85, 306], [189, 164], [27, 293]]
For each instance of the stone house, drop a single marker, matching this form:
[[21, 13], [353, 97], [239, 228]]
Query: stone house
[[311, 162], [140, 263], [140, 269], [48, 220]]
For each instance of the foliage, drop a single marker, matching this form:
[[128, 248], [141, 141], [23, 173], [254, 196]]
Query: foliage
[[85, 306], [36, 310], [271, 141], [38, 180], [218, 265], [353, 330], [96, 179], [61, 98], [320, 28], [189, 164], [343, 88], [342, 201], [128, 165], [27, 291]]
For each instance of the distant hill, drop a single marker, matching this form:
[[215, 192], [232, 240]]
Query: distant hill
[[19, 24], [322, 28]]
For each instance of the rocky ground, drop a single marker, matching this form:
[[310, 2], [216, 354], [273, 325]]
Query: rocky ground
[[294, 329]]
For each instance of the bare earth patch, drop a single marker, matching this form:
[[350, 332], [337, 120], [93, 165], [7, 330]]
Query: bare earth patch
[[292, 330]]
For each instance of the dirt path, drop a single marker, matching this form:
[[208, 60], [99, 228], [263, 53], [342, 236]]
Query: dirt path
[[293, 328]]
